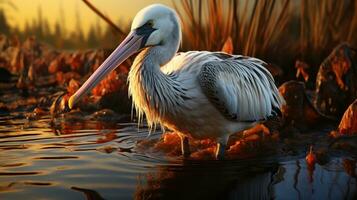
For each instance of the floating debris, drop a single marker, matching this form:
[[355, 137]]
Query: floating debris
[[311, 157]]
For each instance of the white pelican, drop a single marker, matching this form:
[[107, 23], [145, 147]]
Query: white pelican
[[198, 93]]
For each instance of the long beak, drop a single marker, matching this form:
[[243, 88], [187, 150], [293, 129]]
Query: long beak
[[130, 45]]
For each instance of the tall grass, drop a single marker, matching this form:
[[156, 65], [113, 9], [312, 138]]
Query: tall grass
[[279, 31], [324, 24], [254, 26]]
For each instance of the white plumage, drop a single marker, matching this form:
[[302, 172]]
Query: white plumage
[[198, 93], [176, 97]]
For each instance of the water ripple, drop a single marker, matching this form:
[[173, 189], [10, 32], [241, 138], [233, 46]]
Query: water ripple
[[102, 161]]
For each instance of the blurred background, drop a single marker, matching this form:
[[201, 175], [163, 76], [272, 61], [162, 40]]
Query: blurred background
[[68, 24], [279, 31]]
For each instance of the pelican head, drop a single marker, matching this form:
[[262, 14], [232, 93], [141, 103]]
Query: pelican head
[[153, 26]]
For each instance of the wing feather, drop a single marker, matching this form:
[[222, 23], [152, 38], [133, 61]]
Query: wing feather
[[240, 87]]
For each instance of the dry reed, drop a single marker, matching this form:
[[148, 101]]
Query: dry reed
[[278, 31]]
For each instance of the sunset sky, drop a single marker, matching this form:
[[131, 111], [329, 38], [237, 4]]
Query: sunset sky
[[54, 10]]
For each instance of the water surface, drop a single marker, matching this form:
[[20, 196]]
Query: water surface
[[97, 160]]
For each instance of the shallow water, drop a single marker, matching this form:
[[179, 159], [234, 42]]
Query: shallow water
[[96, 160]]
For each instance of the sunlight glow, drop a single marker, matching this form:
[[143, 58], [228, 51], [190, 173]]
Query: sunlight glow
[[65, 12]]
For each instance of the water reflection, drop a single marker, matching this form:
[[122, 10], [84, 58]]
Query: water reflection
[[97, 160], [209, 180], [330, 181], [248, 180], [89, 194], [12, 185]]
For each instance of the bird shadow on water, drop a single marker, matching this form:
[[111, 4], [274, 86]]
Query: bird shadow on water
[[209, 180]]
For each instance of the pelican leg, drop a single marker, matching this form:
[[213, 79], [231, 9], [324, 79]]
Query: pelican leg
[[221, 148], [185, 146]]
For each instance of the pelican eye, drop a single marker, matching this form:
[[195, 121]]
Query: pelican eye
[[145, 31], [150, 23]]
